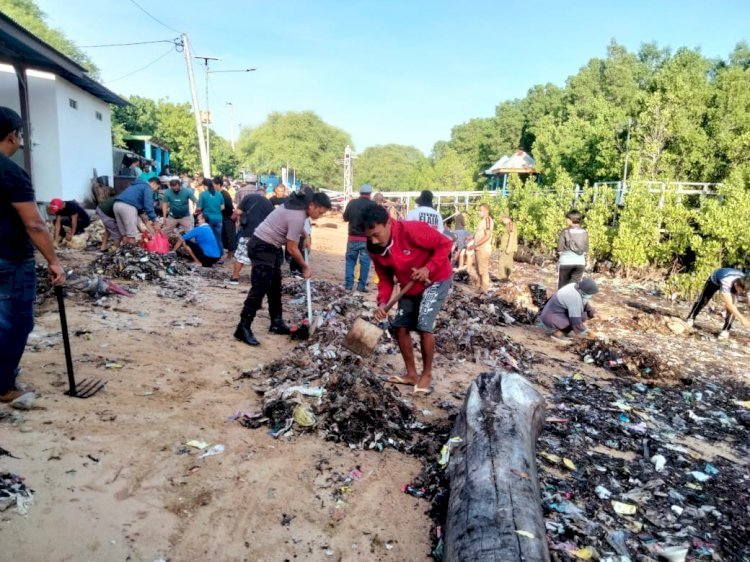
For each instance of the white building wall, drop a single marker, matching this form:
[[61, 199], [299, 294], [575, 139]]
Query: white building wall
[[67, 143], [44, 138], [85, 139]]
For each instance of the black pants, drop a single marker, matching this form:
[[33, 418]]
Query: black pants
[[80, 226], [229, 235], [709, 290], [265, 278], [570, 274], [294, 267], [200, 256]]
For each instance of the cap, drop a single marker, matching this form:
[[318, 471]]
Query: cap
[[587, 286], [424, 199], [365, 188], [55, 205], [252, 178]]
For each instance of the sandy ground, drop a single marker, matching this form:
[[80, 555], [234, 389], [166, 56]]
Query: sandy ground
[[115, 481]]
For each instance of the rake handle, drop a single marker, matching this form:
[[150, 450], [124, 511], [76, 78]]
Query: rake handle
[[66, 340], [405, 289]]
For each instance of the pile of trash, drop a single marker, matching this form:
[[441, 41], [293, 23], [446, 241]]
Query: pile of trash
[[14, 493], [622, 359], [627, 472], [340, 398], [137, 264], [89, 238]]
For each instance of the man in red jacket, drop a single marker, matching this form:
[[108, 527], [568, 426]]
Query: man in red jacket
[[402, 251]]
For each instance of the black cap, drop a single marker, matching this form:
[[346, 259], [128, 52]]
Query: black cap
[[587, 286]]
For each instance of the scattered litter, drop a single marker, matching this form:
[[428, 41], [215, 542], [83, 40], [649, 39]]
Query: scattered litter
[[623, 508], [24, 402], [198, 444], [13, 492], [526, 534], [445, 452], [659, 462], [215, 450]]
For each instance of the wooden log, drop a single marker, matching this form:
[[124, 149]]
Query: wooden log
[[494, 490]]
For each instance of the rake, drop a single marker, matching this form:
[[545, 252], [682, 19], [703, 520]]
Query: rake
[[88, 387]]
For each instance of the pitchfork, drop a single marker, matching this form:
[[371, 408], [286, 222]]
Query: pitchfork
[[88, 387]]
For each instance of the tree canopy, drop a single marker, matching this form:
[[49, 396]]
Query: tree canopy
[[389, 167], [28, 15], [174, 125], [301, 140], [689, 119]]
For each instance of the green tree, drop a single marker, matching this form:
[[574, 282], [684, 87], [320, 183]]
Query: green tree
[[389, 167], [452, 173], [303, 140], [28, 15]]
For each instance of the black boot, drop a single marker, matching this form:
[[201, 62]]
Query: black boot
[[278, 326], [243, 331]]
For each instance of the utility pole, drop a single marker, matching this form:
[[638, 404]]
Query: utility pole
[[231, 123], [207, 120], [205, 163], [627, 155], [348, 188]]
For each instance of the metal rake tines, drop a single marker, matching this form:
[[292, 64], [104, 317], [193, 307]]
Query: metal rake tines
[[87, 388]]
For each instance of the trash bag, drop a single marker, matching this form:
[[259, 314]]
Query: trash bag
[[159, 243]]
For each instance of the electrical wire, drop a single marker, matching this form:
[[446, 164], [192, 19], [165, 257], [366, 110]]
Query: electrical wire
[[142, 9], [173, 41], [140, 69]]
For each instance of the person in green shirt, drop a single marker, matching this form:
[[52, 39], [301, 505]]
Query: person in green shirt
[[176, 208], [147, 172], [211, 204]]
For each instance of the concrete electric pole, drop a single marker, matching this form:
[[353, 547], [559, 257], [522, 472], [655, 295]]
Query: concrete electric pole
[[205, 163]]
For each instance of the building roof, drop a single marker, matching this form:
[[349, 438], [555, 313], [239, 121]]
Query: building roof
[[20, 47], [519, 163]]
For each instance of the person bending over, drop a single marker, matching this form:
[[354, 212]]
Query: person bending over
[[403, 251], [729, 283], [200, 244]]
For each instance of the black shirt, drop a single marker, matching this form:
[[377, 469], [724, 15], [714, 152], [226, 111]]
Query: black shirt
[[276, 201], [353, 215], [15, 187], [73, 208], [255, 208], [228, 205]]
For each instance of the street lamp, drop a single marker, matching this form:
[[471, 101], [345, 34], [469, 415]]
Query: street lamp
[[231, 123], [205, 60]]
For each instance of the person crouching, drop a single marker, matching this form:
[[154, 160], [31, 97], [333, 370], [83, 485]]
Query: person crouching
[[568, 309], [200, 244]]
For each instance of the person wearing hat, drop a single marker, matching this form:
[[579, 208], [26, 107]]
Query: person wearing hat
[[356, 243], [568, 310], [69, 214], [729, 283], [251, 186], [424, 212], [22, 229]]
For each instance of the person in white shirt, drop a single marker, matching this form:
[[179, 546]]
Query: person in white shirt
[[425, 213]]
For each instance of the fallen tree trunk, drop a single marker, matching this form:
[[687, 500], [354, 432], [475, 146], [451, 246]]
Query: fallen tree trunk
[[494, 510]]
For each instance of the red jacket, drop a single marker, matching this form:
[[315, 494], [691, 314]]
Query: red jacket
[[413, 245]]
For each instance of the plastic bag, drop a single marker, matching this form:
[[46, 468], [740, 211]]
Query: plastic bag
[[159, 243]]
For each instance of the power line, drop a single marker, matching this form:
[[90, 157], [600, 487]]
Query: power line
[[157, 20], [142, 68], [173, 41]]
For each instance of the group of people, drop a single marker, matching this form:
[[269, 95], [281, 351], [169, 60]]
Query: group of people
[[416, 253]]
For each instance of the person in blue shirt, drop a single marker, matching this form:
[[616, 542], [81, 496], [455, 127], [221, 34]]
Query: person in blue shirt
[[729, 282], [200, 244], [137, 199], [211, 204]]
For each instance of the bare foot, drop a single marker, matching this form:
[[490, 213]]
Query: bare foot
[[424, 382], [406, 379]]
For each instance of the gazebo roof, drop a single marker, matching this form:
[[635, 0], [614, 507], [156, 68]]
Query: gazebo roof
[[519, 163]]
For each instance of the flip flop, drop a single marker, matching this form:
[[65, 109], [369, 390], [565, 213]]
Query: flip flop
[[426, 391], [395, 379]]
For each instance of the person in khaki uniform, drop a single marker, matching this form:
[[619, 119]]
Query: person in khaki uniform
[[508, 248], [483, 247]]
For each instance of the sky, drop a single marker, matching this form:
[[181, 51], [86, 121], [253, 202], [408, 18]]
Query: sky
[[385, 71]]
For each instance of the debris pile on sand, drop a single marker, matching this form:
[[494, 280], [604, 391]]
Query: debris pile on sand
[[137, 264]]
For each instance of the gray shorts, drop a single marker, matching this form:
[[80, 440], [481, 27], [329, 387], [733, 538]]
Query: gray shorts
[[420, 311], [240, 254], [127, 219], [110, 224]]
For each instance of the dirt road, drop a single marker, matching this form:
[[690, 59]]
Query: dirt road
[[115, 480]]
